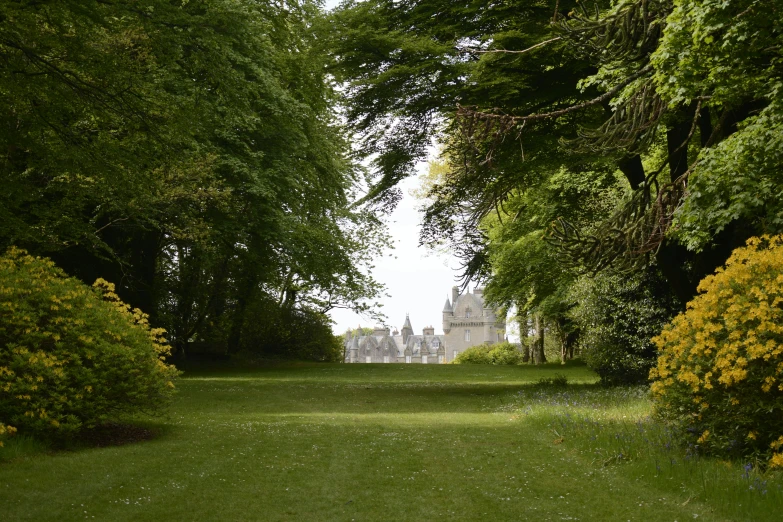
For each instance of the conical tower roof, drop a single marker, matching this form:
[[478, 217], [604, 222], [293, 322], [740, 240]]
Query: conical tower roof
[[447, 306], [407, 322]]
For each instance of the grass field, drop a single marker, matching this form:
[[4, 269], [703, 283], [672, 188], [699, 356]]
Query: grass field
[[389, 442]]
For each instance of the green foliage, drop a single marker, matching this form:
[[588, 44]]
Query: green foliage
[[731, 52], [504, 353], [189, 151], [474, 355], [272, 332], [72, 356], [719, 376], [618, 315], [738, 179], [499, 354]]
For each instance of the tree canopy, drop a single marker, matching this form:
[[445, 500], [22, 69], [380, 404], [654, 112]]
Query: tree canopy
[[578, 138], [188, 151]]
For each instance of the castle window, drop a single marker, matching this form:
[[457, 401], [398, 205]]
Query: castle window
[[385, 358], [468, 312], [423, 359], [440, 359], [407, 358], [454, 354], [368, 359], [467, 335]]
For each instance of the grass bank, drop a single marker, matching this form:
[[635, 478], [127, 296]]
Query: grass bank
[[388, 442]]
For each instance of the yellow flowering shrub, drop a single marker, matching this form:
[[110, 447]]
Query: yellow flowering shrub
[[71, 355], [5, 431], [719, 374]]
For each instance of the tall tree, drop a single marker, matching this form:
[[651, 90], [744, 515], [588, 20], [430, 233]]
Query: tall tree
[[187, 151]]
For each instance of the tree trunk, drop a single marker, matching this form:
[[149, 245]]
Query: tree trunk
[[524, 338], [563, 351], [538, 345]]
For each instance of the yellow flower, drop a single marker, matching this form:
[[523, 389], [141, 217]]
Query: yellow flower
[[752, 435], [776, 461], [704, 437]]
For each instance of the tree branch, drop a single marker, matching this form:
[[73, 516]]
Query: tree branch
[[465, 112]]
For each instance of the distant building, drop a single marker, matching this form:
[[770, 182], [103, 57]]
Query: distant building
[[466, 323]]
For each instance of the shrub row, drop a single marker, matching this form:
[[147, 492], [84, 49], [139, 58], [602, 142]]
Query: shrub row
[[498, 354]]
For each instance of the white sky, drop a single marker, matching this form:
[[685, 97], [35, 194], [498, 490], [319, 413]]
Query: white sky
[[417, 280]]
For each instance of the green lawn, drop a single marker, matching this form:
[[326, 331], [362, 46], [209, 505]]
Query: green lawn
[[390, 442]]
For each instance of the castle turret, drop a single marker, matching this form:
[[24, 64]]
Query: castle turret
[[488, 318], [407, 329], [448, 313], [353, 351]]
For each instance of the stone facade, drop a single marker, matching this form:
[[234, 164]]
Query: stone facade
[[466, 323]]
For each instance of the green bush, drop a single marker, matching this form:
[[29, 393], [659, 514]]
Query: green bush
[[473, 355], [71, 355], [497, 354], [504, 354], [618, 315], [719, 375]]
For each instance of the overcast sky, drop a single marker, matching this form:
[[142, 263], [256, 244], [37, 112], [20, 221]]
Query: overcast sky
[[417, 280]]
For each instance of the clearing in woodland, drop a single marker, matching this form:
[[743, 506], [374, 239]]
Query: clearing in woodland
[[390, 442]]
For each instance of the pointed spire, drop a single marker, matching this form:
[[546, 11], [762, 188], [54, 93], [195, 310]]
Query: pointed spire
[[447, 306], [407, 322]]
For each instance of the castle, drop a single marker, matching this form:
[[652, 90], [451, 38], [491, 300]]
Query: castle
[[466, 323]]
